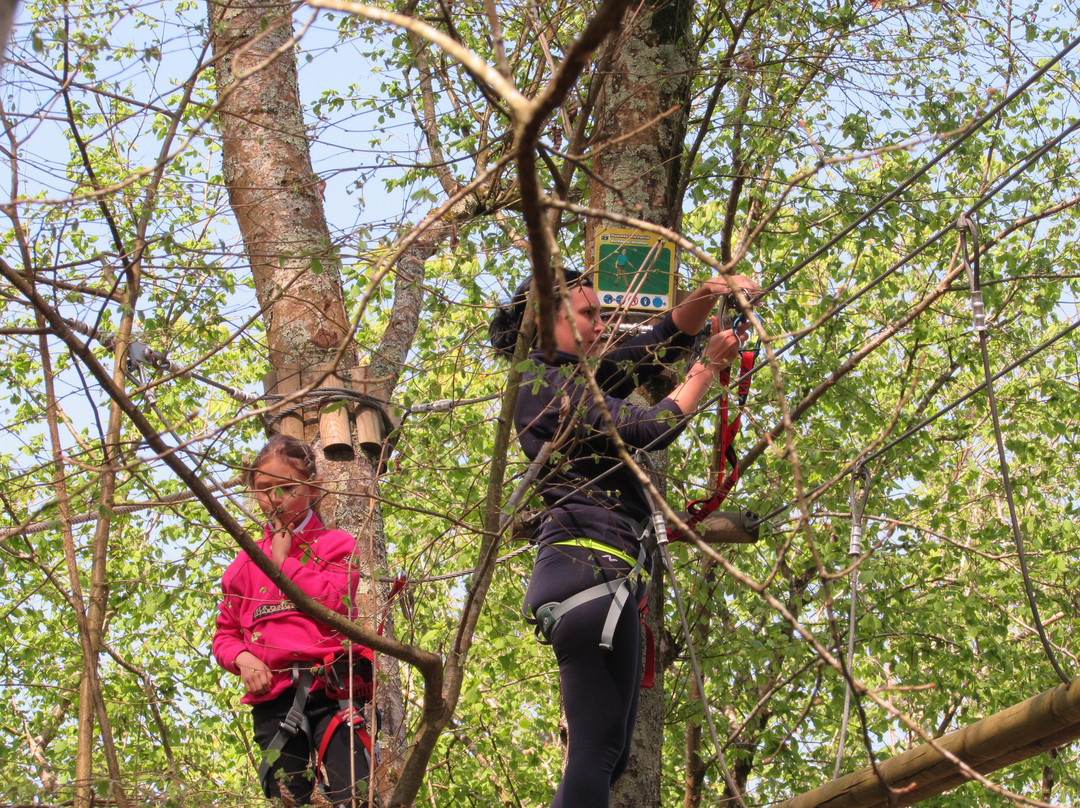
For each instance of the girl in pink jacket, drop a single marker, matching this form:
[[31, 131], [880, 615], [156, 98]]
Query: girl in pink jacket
[[303, 691]]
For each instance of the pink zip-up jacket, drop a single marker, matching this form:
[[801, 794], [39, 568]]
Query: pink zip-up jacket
[[255, 616]]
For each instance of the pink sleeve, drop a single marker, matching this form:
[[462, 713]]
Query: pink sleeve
[[327, 575], [228, 638]]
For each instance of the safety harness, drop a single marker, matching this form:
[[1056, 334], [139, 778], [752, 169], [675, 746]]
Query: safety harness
[[351, 686], [619, 590], [699, 509], [548, 615]]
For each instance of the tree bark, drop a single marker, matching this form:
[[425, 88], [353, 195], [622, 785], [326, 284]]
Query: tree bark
[[274, 195], [643, 102]]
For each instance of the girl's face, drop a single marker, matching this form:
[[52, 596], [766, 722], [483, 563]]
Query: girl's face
[[284, 494], [585, 310]]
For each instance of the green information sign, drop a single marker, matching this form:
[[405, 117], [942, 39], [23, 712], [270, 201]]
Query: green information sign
[[635, 270]]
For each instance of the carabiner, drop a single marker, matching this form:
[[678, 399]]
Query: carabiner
[[752, 333]]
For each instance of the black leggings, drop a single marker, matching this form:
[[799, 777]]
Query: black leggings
[[293, 767], [599, 688]]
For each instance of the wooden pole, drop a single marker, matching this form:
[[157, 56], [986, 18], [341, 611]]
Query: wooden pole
[[335, 424], [282, 381], [1018, 733], [727, 527], [369, 421]]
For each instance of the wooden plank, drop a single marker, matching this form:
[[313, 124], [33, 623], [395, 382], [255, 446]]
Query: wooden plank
[[1022, 731]]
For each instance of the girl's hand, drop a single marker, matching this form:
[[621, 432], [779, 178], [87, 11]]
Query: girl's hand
[[254, 673], [281, 545]]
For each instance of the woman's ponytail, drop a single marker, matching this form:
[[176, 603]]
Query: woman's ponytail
[[505, 324]]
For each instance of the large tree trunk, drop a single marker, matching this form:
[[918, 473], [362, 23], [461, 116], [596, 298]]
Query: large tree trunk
[[275, 197], [648, 75]]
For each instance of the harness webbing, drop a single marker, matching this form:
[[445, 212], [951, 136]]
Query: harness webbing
[[619, 590], [352, 715], [295, 720], [699, 509]]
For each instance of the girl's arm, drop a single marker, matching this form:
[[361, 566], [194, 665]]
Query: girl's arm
[[254, 673], [326, 574], [231, 651]]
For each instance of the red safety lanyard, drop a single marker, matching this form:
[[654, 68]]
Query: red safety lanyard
[[699, 509]]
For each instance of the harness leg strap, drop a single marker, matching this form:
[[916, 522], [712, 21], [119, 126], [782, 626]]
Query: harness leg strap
[[618, 600], [548, 616], [295, 720]]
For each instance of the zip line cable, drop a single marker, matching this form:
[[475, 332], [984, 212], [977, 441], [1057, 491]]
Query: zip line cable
[[858, 509], [147, 355], [929, 420], [968, 227], [141, 354], [1025, 165], [906, 183]]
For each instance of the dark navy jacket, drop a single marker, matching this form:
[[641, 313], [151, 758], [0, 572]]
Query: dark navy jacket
[[556, 405]]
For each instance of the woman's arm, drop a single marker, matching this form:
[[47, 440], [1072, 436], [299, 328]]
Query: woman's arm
[[692, 314], [721, 349], [639, 427]]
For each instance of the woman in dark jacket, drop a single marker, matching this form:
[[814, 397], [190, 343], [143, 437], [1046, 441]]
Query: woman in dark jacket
[[597, 511]]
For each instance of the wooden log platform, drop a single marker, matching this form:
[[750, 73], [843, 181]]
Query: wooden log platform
[[1023, 731]]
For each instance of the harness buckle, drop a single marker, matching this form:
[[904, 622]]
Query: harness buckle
[[294, 719], [544, 622]]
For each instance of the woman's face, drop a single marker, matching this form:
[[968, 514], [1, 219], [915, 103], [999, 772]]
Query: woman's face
[[585, 311]]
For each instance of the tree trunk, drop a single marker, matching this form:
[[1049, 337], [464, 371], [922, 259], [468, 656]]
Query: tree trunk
[[648, 76], [274, 195]]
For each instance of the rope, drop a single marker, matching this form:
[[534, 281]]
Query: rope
[[967, 227], [662, 544], [933, 239]]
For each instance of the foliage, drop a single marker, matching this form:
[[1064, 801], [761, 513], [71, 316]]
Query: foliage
[[823, 111]]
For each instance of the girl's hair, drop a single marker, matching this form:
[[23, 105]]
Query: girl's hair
[[506, 322], [292, 450]]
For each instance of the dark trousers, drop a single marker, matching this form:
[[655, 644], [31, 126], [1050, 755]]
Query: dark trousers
[[293, 767], [599, 688]]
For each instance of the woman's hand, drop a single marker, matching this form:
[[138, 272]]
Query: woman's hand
[[722, 348], [724, 285], [692, 314], [254, 673]]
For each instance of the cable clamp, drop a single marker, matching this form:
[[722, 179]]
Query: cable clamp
[[967, 227]]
